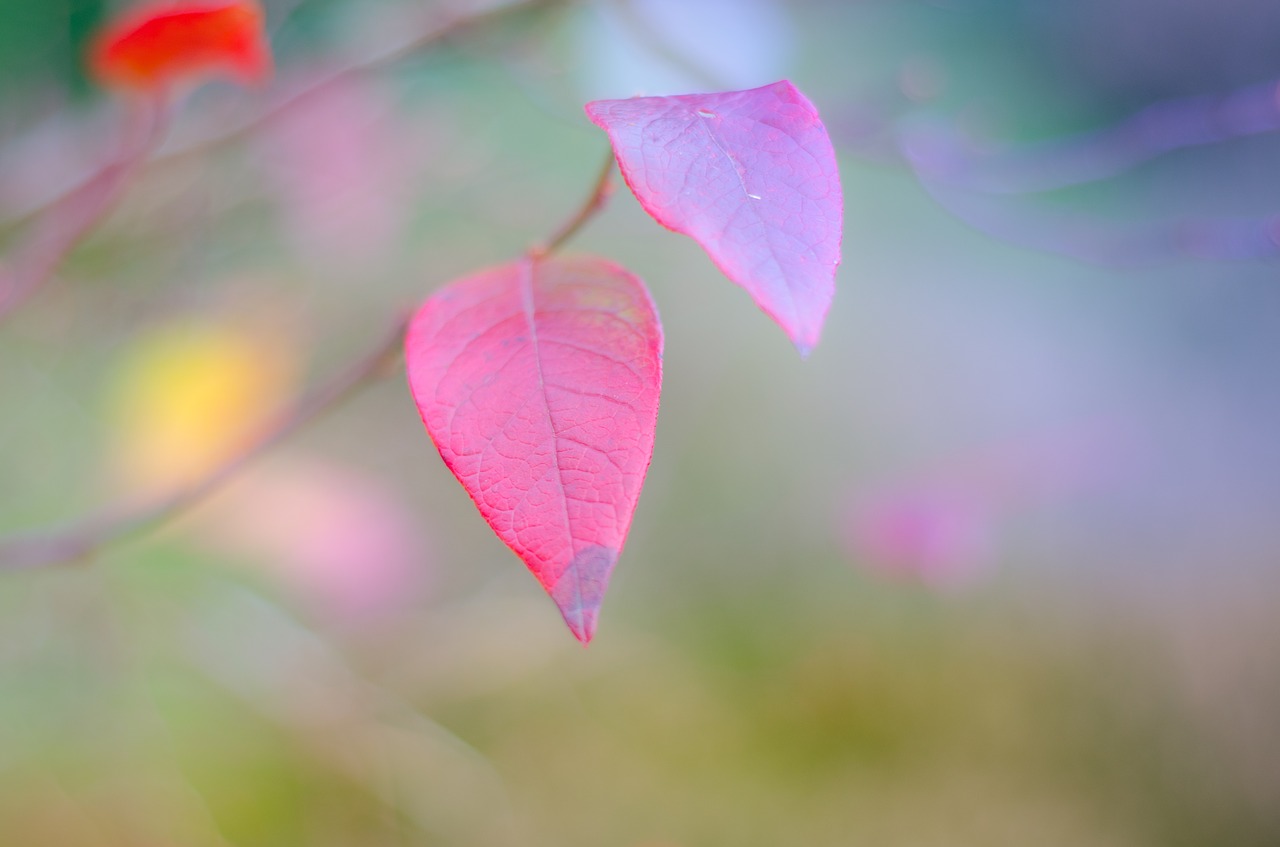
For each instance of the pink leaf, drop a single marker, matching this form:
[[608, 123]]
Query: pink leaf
[[749, 175], [539, 381]]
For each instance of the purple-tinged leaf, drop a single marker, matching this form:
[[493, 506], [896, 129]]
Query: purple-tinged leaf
[[749, 175], [539, 381]]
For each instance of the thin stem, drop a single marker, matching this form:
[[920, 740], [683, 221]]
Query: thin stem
[[81, 540], [601, 190]]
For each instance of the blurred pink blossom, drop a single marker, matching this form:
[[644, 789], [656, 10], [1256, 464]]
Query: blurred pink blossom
[[342, 163], [933, 534], [941, 526], [333, 536]]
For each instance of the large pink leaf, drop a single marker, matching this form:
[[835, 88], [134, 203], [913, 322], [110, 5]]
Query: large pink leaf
[[538, 381], [749, 175]]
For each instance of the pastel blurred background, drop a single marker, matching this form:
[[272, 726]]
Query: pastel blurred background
[[998, 565]]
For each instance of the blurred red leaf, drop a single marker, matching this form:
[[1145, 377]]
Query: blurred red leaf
[[749, 175], [539, 382], [153, 47]]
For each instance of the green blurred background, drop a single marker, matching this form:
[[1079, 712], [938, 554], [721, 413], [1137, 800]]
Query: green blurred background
[[998, 565]]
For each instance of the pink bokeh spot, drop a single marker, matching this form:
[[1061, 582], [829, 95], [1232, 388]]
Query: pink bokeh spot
[[342, 165], [940, 526], [941, 537], [331, 535]]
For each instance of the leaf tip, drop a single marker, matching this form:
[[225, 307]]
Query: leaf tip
[[583, 629], [804, 335], [580, 590]]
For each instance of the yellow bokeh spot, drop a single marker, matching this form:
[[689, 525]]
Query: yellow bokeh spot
[[189, 397]]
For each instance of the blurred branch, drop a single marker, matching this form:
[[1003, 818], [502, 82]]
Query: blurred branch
[[601, 190], [82, 540], [434, 35], [72, 216], [1158, 129], [85, 538], [973, 184], [1109, 243], [65, 220]]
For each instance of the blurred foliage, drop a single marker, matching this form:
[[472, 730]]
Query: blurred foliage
[[43, 43], [183, 706]]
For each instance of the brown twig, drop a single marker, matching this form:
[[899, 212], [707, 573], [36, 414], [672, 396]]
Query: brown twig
[[601, 190], [81, 540]]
